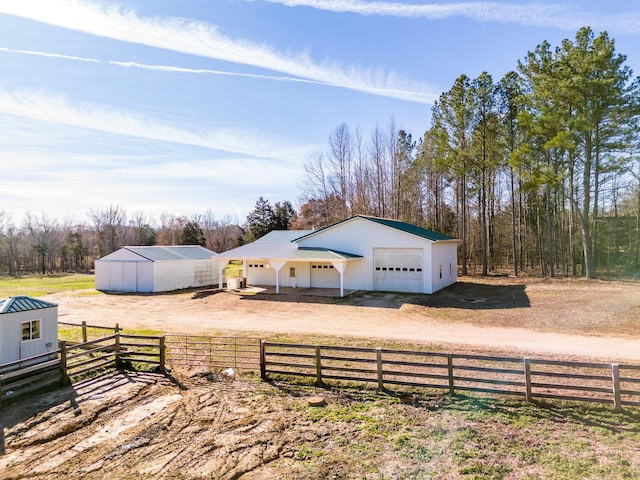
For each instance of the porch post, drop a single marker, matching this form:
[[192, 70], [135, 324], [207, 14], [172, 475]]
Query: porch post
[[340, 267], [277, 266], [221, 266]]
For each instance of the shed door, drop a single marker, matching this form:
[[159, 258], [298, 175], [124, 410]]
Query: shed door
[[324, 275], [398, 270]]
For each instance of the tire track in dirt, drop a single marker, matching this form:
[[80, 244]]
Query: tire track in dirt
[[199, 427]]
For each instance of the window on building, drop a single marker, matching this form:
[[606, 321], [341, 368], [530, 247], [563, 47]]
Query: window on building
[[292, 271], [30, 330]]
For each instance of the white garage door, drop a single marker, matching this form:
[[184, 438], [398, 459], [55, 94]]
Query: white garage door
[[398, 270], [324, 275]]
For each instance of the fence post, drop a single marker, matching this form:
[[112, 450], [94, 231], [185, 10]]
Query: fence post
[[84, 332], [450, 373], [63, 364], [527, 379], [162, 354], [117, 349], [263, 360], [116, 329], [379, 362], [318, 366], [615, 377]]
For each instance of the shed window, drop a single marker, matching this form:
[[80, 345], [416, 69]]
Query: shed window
[[30, 330], [292, 271]]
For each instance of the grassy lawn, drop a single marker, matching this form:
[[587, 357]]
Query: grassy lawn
[[39, 285], [469, 437]]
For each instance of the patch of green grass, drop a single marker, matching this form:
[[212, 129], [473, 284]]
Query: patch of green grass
[[472, 437], [40, 285]]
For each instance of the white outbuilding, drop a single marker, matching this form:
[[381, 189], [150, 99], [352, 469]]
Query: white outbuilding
[[28, 327], [359, 253], [156, 269]]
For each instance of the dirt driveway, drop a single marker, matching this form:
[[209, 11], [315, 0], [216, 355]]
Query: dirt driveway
[[537, 317]]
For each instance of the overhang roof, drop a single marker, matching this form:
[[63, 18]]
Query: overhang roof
[[284, 251], [22, 303]]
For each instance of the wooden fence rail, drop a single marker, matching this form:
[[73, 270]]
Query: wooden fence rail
[[525, 377], [29, 374], [84, 328], [617, 384], [76, 361]]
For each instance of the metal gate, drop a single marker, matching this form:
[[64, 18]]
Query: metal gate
[[202, 351]]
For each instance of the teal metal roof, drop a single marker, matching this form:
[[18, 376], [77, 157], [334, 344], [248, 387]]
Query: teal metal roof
[[402, 226], [23, 304], [409, 228], [323, 253]]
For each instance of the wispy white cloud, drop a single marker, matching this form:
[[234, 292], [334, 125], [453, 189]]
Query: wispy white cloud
[[46, 107], [203, 39], [562, 16], [50, 55], [161, 68]]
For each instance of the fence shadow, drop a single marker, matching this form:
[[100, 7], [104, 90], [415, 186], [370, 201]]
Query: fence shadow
[[24, 407]]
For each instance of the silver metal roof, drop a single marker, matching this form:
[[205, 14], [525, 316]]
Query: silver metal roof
[[23, 303], [281, 236], [175, 252]]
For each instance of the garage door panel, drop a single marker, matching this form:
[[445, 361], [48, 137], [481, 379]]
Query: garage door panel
[[398, 270], [324, 275]]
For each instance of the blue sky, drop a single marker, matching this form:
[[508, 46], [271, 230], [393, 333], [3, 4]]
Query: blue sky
[[165, 106]]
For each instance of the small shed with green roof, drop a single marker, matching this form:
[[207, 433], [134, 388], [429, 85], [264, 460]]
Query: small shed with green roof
[[28, 327]]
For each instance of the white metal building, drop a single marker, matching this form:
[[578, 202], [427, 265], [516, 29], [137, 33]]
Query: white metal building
[[156, 269], [360, 253], [28, 327]]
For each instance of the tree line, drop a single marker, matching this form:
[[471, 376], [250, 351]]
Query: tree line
[[539, 172], [42, 244]]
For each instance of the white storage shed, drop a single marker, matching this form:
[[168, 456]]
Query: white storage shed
[[156, 269], [28, 327]]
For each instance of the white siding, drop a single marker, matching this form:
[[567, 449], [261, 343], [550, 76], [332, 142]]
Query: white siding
[[178, 274], [300, 280], [444, 270], [359, 236], [12, 347], [145, 277]]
